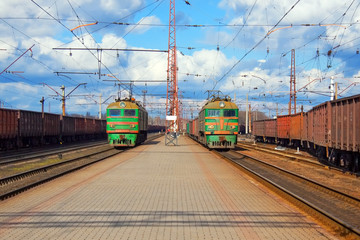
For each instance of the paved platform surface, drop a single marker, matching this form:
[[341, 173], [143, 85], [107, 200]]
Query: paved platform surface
[[154, 192]]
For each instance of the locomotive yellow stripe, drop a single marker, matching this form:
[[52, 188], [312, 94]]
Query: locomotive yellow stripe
[[221, 117], [122, 131], [226, 123], [122, 123], [218, 132], [122, 117]]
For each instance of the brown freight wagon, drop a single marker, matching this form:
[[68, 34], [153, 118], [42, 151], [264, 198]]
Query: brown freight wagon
[[89, 126], [194, 128], [345, 124], [304, 130], [30, 128], [8, 128], [320, 124], [67, 128], [259, 130], [296, 128], [270, 129], [283, 129], [51, 128], [80, 127]]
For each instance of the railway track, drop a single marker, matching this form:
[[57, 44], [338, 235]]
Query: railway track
[[337, 210], [29, 155], [19, 182], [296, 156]]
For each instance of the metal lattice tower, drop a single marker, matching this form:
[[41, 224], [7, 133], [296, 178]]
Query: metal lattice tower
[[292, 103], [172, 101]]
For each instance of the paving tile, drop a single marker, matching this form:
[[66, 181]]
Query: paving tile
[[154, 192]]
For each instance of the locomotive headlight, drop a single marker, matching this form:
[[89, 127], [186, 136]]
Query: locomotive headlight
[[122, 104], [222, 104], [132, 125], [233, 127], [211, 127]]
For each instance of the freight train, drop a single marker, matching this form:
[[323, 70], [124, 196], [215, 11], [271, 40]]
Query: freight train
[[127, 123], [21, 128], [330, 130], [217, 125]]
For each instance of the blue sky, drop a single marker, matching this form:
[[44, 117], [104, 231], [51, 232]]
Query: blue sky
[[239, 47]]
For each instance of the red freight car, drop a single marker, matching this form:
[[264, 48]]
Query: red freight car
[[270, 129], [80, 127], [296, 126], [259, 130], [304, 130], [321, 127], [89, 126], [283, 129], [30, 128], [345, 124], [194, 128], [51, 126], [8, 128], [67, 128], [265, 130], [344, 132]]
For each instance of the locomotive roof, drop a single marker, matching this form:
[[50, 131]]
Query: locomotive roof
[[216, 105], [129, 104]]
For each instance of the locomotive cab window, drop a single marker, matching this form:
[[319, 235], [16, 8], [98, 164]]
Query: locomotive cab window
[[129, 112], [229, 113], [213, 113], [114, 112]]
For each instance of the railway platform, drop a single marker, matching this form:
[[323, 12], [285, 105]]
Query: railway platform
[[155, 191]]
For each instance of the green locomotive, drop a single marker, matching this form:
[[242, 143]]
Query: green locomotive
[[217, 125], [126, 123]]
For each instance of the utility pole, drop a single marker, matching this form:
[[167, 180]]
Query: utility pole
[[62, 94], [292, 103], [144, 97], [100, 106], [250, 118], [247, 114], [42, 106]]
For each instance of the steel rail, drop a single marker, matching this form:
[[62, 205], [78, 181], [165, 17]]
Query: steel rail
[[275, 179], [12, 185], [15, 158]]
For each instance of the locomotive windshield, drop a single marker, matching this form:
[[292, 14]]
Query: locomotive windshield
[[229, 113], [129, 112], [114, 112], [213, 113]]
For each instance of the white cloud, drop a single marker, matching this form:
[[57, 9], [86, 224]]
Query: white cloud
[[144, 25], [121, 7]]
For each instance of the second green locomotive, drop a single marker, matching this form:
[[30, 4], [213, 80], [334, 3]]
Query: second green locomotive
[[127, 123], [217, 125]]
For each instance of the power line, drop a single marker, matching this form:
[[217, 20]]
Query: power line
[[256, 45]]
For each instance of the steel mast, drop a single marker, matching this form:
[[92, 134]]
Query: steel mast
[[292, 102], [172, 101]]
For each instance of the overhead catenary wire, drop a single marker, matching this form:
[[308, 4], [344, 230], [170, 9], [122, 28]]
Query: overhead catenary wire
[[256, 45]]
